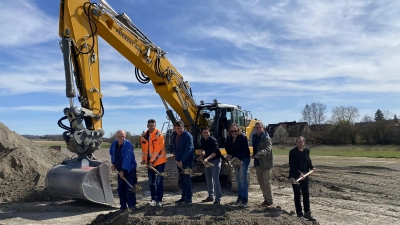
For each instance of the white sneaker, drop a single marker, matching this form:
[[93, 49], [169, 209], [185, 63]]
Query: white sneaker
[[158, 204], [152, 203]]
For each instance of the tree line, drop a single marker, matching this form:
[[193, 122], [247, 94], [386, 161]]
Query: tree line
[[344, 127]]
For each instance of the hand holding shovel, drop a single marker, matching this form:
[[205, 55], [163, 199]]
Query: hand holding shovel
[[133, 188], [302, 177], [163, 174]]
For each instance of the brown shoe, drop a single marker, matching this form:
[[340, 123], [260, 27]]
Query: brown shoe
[[208, 199], [266, 204]]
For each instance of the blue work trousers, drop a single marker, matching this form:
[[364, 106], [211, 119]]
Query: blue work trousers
[[186, 185], [212, 177], [242, 182], [156, 183], [126, 196]]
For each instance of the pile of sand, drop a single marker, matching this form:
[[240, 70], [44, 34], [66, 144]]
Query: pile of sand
[[23, 165]]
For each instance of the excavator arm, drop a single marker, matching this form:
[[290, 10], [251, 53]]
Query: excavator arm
[[81, 22]]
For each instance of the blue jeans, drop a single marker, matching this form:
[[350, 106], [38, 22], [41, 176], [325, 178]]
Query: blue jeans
[[212, 177], [186, 185], [124, 192], [241, 178], [156, 183]]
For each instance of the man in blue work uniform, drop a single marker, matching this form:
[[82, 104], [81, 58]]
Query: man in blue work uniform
[[182, 144], [123, 160]]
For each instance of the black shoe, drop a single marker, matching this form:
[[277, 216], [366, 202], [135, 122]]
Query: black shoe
[[180, 200], [309, 217], [189, 202], [217, 203], [208, 199], [238, 201]]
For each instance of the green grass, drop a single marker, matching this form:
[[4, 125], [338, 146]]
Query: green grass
[[349, 151]]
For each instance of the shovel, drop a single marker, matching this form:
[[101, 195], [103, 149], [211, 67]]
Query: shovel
[[133, 188], [163, 174], [236, 162], [300, 178], [189, 171]]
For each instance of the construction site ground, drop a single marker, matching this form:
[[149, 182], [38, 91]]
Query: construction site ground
[[343, 191]]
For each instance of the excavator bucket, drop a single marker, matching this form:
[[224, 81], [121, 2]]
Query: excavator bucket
[[82, 178]]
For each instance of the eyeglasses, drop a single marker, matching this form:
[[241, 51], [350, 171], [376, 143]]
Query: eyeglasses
[[233, 131]]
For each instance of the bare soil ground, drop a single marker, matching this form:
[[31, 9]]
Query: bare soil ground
[[344, 191]]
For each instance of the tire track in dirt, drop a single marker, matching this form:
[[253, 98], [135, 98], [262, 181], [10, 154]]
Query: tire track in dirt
[[334, 211]]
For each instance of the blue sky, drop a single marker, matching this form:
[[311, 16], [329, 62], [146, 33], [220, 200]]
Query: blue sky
[[270, 57]]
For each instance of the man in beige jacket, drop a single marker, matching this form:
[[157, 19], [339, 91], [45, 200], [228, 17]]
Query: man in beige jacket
[[263, 161]]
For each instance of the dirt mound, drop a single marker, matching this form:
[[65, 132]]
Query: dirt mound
[[23, 165], [200, 214]]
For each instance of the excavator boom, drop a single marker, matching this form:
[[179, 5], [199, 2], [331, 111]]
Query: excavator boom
[[80, 25]]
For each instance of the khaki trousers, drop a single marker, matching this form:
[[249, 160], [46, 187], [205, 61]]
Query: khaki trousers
[[264, 180]]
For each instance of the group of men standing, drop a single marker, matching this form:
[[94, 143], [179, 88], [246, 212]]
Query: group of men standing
[[237, 148]]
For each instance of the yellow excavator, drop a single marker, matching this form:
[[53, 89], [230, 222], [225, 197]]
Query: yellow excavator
[[81, 23]]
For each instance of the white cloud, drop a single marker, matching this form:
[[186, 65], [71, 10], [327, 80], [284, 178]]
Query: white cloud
[[23, 23]]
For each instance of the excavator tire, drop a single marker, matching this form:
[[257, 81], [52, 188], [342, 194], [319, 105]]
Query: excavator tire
[[171, 182], [82, 178]]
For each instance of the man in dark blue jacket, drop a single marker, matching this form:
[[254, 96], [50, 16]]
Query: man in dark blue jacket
[[123, 160], [182, 144]]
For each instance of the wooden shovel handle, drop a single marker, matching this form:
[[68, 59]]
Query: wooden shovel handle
[[299, 179]]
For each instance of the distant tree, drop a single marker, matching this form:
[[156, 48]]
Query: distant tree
[[344, 131], [395, 119], [314, 113], [379, 116], [367, 119], [306, 114], [344, 114], [387, 114]]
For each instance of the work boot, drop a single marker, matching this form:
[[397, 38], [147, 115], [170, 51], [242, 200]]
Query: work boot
[[217, 203], [309, 217], [266, 204], [180, 200], [208, 199], [122, 210], [244, 203], [238, 201]]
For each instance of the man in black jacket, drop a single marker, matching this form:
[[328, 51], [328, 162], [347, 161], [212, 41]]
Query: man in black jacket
[[211, 153], [300, 163]]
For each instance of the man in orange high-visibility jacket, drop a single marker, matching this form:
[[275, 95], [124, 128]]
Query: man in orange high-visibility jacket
[[153, 154]]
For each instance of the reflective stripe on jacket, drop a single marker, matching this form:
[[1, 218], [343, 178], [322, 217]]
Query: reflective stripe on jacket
[[156, 154]]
